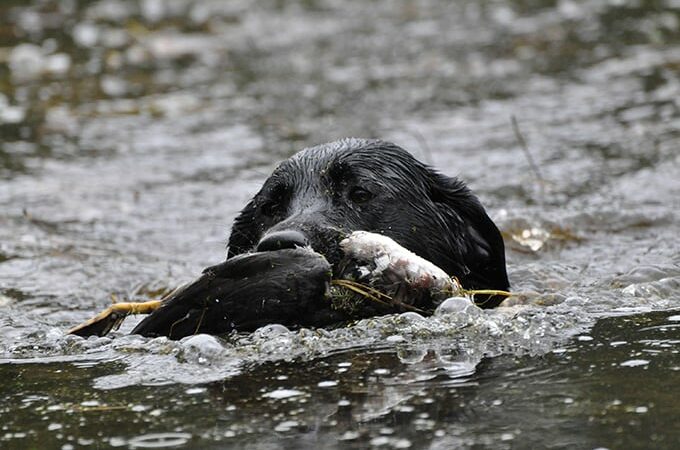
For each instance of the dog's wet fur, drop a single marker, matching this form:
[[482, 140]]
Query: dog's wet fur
[[312, 201], [325, 192]]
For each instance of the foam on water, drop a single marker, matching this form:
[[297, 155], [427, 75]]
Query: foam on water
[[133, 133], [201, 358]]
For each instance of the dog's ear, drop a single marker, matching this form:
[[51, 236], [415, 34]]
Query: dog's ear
[[245, 232], [480, 242]]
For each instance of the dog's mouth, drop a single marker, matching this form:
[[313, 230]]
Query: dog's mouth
[[322, 240]]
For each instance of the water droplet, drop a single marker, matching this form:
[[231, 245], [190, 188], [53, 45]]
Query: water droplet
[[634, 363], [349, 436], [283, 394], [159, 440], [194, 391]]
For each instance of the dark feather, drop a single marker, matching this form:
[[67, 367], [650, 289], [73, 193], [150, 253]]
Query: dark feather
[[244, 293]]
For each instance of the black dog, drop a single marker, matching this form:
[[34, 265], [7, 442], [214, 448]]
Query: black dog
[[325, 192], [314, 199]]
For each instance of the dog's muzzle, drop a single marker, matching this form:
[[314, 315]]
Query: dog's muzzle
[[279, 240]]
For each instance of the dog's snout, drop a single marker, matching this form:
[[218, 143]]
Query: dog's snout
[[282, 239]]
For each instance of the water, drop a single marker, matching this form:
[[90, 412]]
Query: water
[[131, 134]]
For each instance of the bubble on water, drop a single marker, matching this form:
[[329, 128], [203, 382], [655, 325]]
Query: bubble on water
[[401, 443], [113, 86], [175, 104], [58, 64], [30, 21], [409, 318], [113, 38], [153, 10], [272, 330], [117, 441], [202, 344], [662, 289], [380, 441], [136, 54], [26, 61], [286, 426], [411, 355], [196, 390], [280, 394], [85, 34], [160, 361], [54, 334], [11, 114], [273, 339], [634, 363], [5, 300], [454, 305], [464, 366], [349, 435], [159, 440], [89, 403]]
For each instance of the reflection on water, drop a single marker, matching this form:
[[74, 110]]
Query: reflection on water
[[131, 133], [610, 387]]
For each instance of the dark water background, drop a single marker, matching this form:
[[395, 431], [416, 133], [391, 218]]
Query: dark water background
[[132, 133]]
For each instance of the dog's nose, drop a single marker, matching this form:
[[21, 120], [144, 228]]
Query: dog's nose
[[282, 239]]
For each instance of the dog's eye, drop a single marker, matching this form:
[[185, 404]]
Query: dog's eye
[[360, 195], [271, 209], [275, 201]]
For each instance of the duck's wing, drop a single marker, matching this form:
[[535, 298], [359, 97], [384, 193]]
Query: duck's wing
[[244, 293]]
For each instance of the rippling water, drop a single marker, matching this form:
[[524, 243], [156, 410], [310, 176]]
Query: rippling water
[[132, 133]]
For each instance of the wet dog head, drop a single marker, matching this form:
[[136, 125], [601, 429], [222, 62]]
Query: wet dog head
[[325, 192]]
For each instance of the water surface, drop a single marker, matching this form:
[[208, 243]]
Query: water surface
[[132, 133]]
